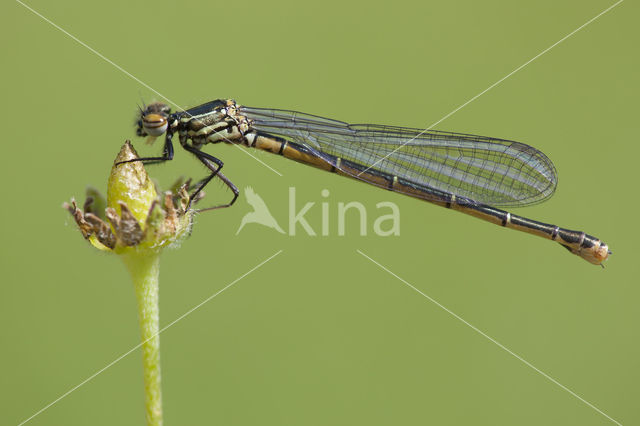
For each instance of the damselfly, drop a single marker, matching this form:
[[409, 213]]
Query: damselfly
[[467, 173]]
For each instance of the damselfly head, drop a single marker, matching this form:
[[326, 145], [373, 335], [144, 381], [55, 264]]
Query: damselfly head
[[153, 120]]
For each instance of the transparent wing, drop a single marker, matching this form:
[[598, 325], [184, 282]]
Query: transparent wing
[[486, 170]]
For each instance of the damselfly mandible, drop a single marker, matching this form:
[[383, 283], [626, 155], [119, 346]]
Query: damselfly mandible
[[467, 173]]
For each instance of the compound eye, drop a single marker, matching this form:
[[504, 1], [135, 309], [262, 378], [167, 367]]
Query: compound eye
[[154, 124]]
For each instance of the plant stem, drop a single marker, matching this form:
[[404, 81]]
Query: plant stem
[[144, 269]]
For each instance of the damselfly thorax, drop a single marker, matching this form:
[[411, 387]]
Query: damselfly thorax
[[469, 173]]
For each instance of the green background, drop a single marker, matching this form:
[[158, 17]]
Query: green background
[[320, 335]]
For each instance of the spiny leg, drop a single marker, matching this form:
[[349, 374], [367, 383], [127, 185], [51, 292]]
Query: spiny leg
[[231, 186], [211, 162], [167, 153]]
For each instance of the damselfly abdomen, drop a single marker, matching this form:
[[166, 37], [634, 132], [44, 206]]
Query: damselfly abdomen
[[467, 173]]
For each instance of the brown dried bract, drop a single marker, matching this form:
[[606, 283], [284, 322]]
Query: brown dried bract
[[90, 224]]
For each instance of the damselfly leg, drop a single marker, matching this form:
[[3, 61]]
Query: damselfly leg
[[211, 162], [167, 154]]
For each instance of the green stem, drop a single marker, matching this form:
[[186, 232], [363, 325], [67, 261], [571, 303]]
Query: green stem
[[144, 269]]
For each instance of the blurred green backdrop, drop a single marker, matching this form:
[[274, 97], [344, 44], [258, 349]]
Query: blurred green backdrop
[[320, 335]]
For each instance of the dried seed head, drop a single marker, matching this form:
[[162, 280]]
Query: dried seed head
[[135, 217]]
